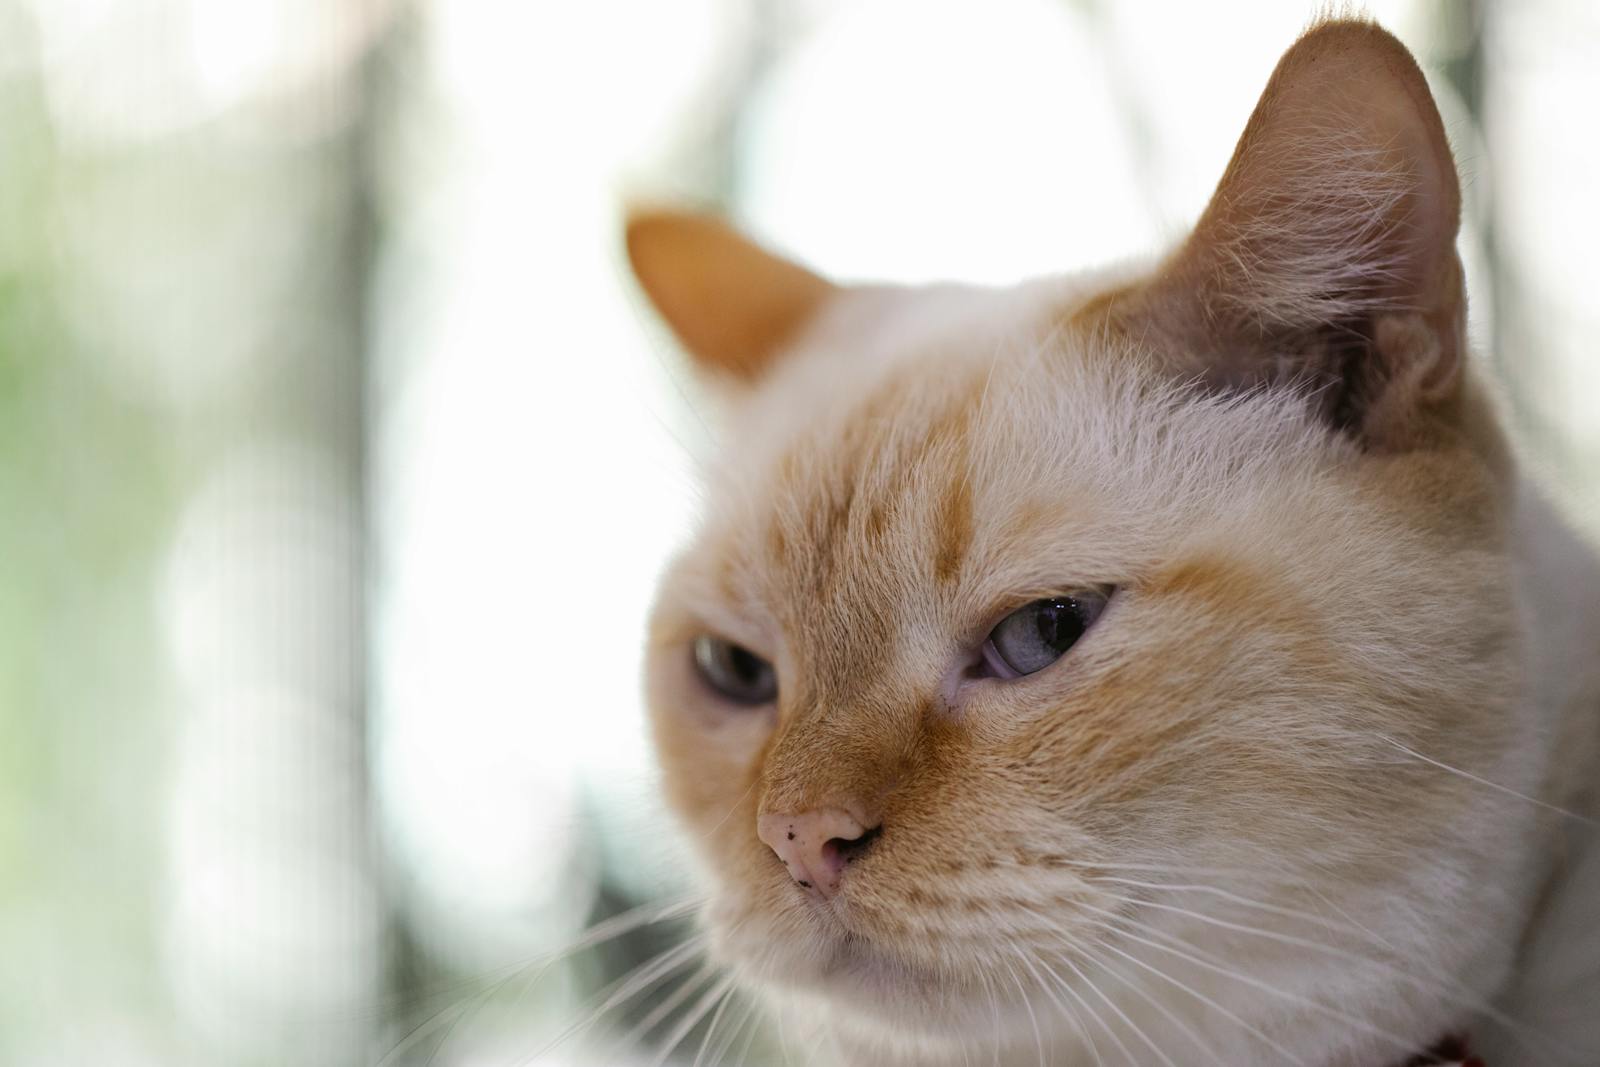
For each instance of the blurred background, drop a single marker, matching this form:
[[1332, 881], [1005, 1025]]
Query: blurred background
[[338, 455]]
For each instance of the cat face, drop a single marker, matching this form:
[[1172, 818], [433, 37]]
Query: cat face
[[1010, 611]]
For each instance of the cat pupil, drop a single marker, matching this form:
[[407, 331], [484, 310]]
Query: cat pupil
[[745, 665], [1039, 633], [1059, 623], [733, 671]]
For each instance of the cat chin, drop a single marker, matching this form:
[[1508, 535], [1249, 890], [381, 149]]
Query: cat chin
[[869, 1009], [868, 988]]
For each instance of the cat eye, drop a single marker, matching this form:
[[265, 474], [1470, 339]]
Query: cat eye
[[734, 672], [1037, 634]]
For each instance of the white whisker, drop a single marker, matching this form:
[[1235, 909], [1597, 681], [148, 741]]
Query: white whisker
[[1073, 1016], [423, 1029], [534, 967], [1202, 998], [1363, 1025], [716, 1018], [1162, 1056], [1449, 990], [1234, 898], [708, 1000], [1166, 1013], [686, 988], [1038, 1039], [1492, 785], [736, 804], [752, 1026], [630, 985], [1067, 987], [994, 1011]]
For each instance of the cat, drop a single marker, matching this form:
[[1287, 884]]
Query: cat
[[1162, 665]]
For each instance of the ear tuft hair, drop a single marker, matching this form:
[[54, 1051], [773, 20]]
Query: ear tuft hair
[[1327, 254]]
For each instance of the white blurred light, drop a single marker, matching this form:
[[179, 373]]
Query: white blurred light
[[273, 920], [917, 142], [259, 585], [120, 71], [1546, 167], [529, 485]]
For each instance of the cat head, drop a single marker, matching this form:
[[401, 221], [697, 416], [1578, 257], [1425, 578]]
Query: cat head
[[1008, 607]]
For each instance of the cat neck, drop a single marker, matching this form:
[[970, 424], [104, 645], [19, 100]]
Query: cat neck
[[1556, 985], [1558, 575]]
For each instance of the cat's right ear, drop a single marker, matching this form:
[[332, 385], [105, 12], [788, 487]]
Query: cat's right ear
[[734, 305]]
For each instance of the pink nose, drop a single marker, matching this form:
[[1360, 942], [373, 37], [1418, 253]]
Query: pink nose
[[816, 845]]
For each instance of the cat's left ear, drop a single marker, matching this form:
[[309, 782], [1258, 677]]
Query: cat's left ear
[[1327, 255], [733, 304]]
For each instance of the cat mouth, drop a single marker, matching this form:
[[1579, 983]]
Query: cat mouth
[[839, 959], [866, 977]]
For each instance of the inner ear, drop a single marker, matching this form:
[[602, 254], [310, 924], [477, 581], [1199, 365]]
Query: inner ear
[[1327, 254], [734, 305]]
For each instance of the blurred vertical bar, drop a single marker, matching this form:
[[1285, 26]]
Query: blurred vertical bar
[[187, 862], [278, 917], [1541, 83]]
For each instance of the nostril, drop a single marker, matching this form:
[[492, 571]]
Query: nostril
[[849, 850], [816, 845]]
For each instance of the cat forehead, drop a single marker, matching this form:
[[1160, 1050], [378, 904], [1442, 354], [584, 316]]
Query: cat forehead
[[973, 460], [873, 334], [885, 362]]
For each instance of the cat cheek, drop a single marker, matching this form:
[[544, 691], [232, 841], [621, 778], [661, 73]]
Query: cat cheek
[[708, 749]]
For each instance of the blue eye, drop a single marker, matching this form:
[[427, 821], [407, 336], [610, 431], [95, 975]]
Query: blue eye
[[1037, 634], [734, 672]]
